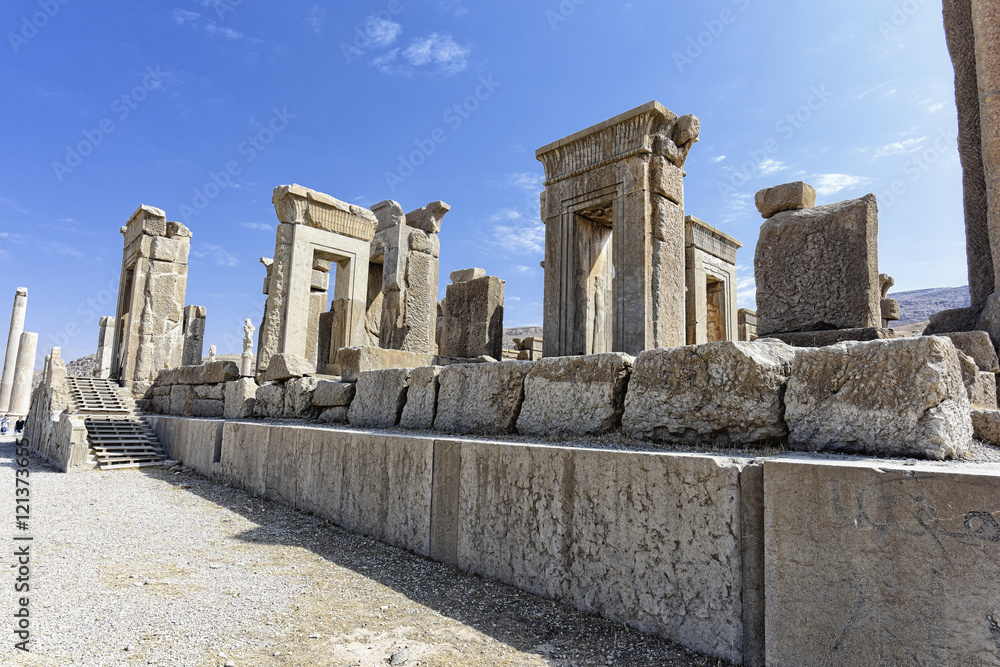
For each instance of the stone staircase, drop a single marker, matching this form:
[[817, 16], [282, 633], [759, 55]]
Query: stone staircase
[[117, 435]]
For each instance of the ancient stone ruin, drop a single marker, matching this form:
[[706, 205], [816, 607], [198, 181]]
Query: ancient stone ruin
[[733, 546]]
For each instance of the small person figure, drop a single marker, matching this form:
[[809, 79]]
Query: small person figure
[[4, 425], [19, 425]]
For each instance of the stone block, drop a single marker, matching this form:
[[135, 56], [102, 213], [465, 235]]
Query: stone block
[[421, 398], [889, 309], [286, 365], [666, 180], [336, 415], [240, 397], [954, 319], [389, 214], [977, 345], [817, 269], [182, 396], [557, 522], [379, 399], [986, 426], [481, 398], [160, 404], [170, 250], [270, 402], [724, 394], [880, 564], [787, 197], [987, 391], [208, 407], [351, 361], [474, 318], [212, 391], [299, 397], [465, 275], [331, 394], [566, 396], [244, 455], [832, 336], [902, 397]]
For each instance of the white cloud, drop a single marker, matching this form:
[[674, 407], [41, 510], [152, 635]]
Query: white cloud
[[317, 16], [206, 25], [258, 226], [385, 62], [456, 7], [769, 166], [718, 159], [899, 147], [382, 31], [13, 204], [523, 270], [439, 51], [831, 184], [220, 255], [533, 183], [516, 233]]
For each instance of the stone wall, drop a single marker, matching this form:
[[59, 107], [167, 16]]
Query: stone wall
[[861, 562]]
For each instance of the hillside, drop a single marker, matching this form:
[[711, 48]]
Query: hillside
[[918, 305]]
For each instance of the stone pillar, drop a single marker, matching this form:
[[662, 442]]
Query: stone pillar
[[20, 398], [194, 335], [986, 23], [474, 315], [13, 341], [105, 348]]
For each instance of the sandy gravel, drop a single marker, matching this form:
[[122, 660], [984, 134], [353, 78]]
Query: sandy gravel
[[148, 567]]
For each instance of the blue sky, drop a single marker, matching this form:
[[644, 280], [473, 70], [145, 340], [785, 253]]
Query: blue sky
[[202, 107]]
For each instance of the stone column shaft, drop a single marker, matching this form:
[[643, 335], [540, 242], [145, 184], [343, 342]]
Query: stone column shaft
[[20, 399], [13, 342], [986, 23]]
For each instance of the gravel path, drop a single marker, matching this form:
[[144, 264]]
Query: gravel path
[[149, 567]]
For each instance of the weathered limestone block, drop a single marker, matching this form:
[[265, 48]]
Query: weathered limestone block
[[335, 415], [351, 361], [986, 426], [871, 564], [331, 394], [208, 407], [481, 398], [465, 275], [786, 197], [215, 372], [105, 347], [970, 377], [285, 366], [389, 214], [474, 318], [817, 269], [211, 391], [270, 401], [832, 336], [428, 218], [241, 395], [977, 345], [160, 404], [726, 394], [380, 397], [902, 397], [986, 391], [421, 398], [299, 397], [245, 454], [575, 395], [182, 397], [663, 557]]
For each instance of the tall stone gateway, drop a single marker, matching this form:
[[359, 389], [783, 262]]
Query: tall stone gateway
[[317, 234], [13, 342], [613, 209], [973, 31], [149, 323]]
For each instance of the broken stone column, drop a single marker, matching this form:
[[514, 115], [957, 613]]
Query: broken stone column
[[13, 342], [314, 227], [889, 307], [246, 360], [149, 322], [405, 253], [105, 348], [20, 397], [474, 315], [194, 335], [613, 209], [817, 269]]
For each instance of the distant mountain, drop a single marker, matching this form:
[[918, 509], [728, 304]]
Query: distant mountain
[[918, 305], [519, 332]]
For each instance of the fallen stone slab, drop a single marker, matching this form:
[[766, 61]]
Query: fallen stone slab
[[379, 399], [725, 394], [332, 394], [977, 345], [986, 426], [902, 397], [481, 398], [581, 395]]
